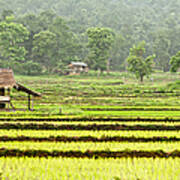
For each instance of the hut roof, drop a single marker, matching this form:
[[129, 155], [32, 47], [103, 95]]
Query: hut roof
[[20, 87], [79, 64], [7, 81], [7, 78]]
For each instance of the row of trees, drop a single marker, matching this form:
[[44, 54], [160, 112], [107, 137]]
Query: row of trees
[[155, 21], [46, 43], [35, 44]]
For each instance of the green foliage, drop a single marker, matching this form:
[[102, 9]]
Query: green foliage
[[174, 86], [69, 20], [44, 49], [56, 43], [137, 64], [119, 52], [12, 36], [6, 13], [68, 45], [161, 48], [31, 68], [100, 42], [175, 62]]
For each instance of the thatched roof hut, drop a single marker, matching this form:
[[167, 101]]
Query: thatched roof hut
[[7, 82], [7, 78]]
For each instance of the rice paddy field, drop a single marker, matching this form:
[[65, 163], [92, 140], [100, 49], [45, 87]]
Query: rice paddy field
[[108, 127]]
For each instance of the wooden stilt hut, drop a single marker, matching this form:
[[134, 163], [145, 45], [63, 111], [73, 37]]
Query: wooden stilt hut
[[7, 82]]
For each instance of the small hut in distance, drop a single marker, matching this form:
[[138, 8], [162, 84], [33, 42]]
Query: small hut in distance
[[7, 82], [77, 68]]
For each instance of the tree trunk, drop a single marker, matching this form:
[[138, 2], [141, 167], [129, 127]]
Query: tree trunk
[[108, 66], [141, 78], [166, 68]]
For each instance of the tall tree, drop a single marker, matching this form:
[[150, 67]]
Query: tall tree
[[33, 24], [161, 48], [68, 43], [44, 49], [137, 64], [100, 41], [119, 52], [12, 36]]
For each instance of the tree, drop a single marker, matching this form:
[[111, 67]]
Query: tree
[[137, 64], [6, 13], [68, 44], [33, 24], [46, 18], [175, 62], [161, 48], [119, 52], [44, 49], [100, 41], [12, 36]]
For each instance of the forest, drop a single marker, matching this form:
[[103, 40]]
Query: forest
[[44, 36]]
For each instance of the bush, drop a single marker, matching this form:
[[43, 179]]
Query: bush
[[174, 86], [28, 68]]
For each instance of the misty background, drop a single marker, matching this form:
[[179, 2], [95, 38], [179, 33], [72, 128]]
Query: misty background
[[49, 34]]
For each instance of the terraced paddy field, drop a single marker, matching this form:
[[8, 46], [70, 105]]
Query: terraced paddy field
[[109, 127]]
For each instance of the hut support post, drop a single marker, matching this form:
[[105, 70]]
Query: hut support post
[[2, 93], [10, 103], [32, 104], [8, 93], [29, 102]]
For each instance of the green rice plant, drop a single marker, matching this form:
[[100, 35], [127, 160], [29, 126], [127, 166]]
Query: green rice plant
[[80, 169], [92, 146], [98, 134]]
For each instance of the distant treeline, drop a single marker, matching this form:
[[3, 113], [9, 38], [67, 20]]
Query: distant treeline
[[43, 36]]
